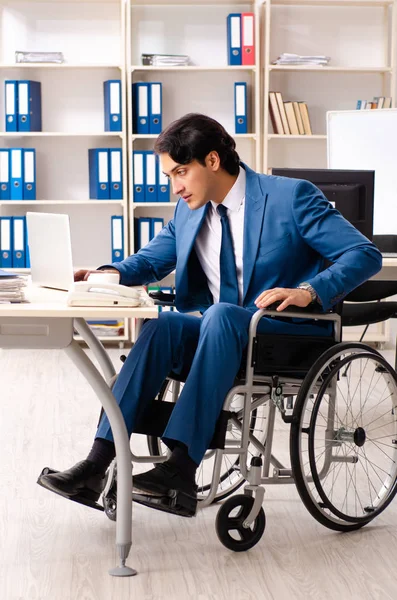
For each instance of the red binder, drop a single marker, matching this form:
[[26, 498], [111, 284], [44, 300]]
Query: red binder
[[248, 38]]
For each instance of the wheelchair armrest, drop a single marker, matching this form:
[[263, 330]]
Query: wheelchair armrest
[[163, 298]]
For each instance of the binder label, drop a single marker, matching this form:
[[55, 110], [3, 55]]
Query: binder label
[[248, 30], [4, 167], [116, 166], [115, 98], [18, 235], [235, 33], [117, 234], [150, 169], [156, 98], [240, 100], [10, 98], [103, 167], [143, 101], [29, 167], [138, 169], [23, 99], [5, 235], [16, 164]]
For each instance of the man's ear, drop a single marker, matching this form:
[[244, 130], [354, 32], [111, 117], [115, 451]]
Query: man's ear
[[213, 161]]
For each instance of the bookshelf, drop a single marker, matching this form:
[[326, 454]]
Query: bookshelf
[[91, 35], [357, 70], [197, 29]]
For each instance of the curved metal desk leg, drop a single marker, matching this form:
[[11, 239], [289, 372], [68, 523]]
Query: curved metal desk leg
[[97, 348], [123, 453]]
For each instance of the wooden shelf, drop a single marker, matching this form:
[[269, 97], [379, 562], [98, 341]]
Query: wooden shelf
[[57, 66], [273, 136], [330, 69], [194, 68], [153, 204], [18, 134], [54, 202], [371, 3]]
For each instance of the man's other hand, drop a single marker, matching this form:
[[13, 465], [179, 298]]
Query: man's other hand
[[83, 274], [287, 297]]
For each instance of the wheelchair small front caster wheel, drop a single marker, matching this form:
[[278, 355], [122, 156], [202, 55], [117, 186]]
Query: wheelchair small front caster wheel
[[110, 506], [229, 524]]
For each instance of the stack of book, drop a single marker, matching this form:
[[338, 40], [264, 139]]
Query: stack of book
[[377, 102], [296, 59], [288, 118], [165, 60], [107, 328]]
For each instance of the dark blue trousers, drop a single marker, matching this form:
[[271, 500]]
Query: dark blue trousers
[[211, 347]]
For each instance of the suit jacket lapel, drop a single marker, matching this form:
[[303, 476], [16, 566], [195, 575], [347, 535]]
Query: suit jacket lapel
[[255, 202]]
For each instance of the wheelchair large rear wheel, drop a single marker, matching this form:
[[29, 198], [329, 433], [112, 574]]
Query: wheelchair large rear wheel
[[230, 478], [343, 440]]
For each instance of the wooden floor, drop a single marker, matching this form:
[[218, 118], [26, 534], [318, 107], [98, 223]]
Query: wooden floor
[[51, 548]]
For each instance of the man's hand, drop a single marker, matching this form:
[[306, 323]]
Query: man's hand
[[83, 274], [287, 296]]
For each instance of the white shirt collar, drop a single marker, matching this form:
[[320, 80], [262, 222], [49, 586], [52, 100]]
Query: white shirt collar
[[236, 195]]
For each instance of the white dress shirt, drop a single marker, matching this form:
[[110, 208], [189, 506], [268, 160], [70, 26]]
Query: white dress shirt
[[208, 241]]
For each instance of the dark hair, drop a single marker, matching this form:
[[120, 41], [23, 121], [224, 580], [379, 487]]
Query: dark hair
[[193, 137]]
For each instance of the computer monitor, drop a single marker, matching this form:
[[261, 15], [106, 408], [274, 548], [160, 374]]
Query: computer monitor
[[351, 192]]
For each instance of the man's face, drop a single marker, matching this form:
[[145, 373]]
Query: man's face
[[193, 182]]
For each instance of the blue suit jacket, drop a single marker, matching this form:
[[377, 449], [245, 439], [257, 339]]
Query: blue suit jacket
[[289, 229]]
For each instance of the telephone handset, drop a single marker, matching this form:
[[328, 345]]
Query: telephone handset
[[86, 293]]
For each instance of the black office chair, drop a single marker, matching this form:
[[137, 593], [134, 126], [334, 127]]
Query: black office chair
[[366, 305]]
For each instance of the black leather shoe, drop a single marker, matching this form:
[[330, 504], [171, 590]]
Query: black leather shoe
[[163, 479], [81, 480]]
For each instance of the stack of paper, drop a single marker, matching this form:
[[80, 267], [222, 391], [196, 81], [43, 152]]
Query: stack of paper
[[296, 59], [38, 57], [165, 60], [11, 288]]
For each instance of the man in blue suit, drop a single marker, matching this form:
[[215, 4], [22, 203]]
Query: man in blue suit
[[239, 241]]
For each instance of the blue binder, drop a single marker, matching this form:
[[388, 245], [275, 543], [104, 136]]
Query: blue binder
[[143, 232], [240, 107], [163, 185], [29, 106], [27, 253], [29, 174], [156, 225], [4, 174], [11, 105], [140, 95], [156, 107], [16, 169], [112, 102], [98, 162], [6, 243], [117, 238], [19, 239], [116, 173], [151, 178], [234, 39], [139, 175]]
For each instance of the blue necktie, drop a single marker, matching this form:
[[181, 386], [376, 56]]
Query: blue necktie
[[227, 263]]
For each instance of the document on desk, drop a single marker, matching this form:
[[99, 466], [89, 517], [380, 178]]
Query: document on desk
[[11, 287]]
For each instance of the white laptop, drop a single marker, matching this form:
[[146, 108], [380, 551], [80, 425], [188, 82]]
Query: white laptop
[[50, 249]]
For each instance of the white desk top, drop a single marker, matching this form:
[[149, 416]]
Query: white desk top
[[52, 303]]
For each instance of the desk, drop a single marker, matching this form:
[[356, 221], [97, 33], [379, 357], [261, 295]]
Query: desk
[[47, 322], [388, 271]]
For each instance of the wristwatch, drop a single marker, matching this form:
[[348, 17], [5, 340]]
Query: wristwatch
[[306, 286]]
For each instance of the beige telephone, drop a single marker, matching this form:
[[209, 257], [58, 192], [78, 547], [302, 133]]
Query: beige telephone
[[86, 293]]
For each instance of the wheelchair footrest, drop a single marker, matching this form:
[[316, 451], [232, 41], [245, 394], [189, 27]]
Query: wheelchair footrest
[[80, 498], [175, 502]]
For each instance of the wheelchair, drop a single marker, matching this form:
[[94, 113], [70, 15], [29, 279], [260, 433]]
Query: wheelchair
[[339, 400]]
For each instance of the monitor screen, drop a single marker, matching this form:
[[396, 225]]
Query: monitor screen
[[350, 192]]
